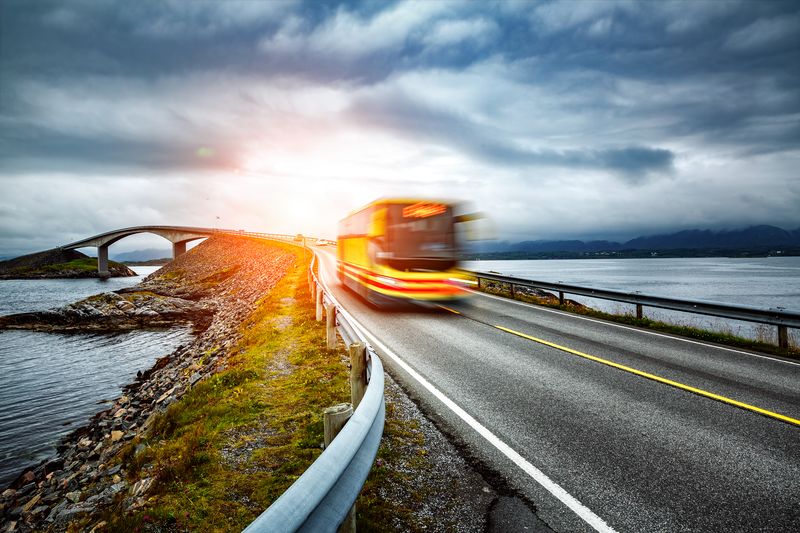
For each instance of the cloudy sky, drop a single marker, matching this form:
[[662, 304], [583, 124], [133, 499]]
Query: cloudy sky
[[559, 119]]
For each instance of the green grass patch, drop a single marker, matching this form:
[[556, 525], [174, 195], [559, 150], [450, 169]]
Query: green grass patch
[[724, 338]]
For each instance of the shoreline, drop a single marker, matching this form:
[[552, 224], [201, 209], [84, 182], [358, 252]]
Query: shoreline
[[86, 472]]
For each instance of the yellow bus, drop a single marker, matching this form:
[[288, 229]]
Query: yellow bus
[[401, 249]]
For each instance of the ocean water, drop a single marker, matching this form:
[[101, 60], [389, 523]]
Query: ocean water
[[765, 282], [52, 383]]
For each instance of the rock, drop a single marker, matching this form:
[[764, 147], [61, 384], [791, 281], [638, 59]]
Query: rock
[[26, 489], [8, 493], [33, 501], [28, 477], [141, 487], [84, 443], [120, 412], [73, 496], [165, 395], [55, 511], [98, 526], [116, 435], [125, 305], [69, 513], [113, 470], [194, 379], [39, 510]]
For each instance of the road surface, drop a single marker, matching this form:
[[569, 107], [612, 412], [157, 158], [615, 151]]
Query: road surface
[[603, 427]]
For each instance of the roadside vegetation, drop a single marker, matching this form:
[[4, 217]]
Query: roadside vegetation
[[233, 443], [764, 343]]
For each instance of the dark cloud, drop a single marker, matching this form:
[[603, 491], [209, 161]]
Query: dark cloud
[[628, 93], [41, 150], [395, 111]]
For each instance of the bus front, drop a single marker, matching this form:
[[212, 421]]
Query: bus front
[[414, 250]]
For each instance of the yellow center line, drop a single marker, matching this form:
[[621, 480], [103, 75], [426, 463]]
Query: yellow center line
[[647, 375]]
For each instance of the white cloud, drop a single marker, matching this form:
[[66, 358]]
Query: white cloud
[[564, 15], [764, 32], [178, 18], [453, 32]]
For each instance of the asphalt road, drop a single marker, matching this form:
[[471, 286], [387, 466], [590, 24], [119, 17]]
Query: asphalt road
[[594, 446]]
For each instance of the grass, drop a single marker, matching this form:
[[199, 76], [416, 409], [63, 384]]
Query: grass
[[236, 441], [762, 344]]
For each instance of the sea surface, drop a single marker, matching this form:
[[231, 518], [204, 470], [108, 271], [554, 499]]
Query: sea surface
[[52, 383], [765, 282]]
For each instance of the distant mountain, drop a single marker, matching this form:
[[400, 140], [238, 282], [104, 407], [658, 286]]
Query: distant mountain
[[143, 255], [753, 238]]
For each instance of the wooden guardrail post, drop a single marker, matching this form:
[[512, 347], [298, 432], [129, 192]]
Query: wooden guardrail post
[[358, 373], [334, 418], [783, 337], [319, 303], [639, 311], [330, 325], [513, 296], [560, 298]]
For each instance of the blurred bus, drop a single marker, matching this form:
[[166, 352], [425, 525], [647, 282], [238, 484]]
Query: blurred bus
[[400, 249]]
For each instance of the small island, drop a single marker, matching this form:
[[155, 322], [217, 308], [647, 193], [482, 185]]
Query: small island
[[58, 263]]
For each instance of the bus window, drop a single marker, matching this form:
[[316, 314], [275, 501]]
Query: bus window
[[419, 240]]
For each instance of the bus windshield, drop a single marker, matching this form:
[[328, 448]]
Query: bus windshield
[[420, 237]]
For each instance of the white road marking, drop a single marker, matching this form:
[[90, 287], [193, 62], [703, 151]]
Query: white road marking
[[586, 514], [622, 326]]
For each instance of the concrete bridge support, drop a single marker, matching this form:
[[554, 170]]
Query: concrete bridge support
[[178, 248], [102, 261]]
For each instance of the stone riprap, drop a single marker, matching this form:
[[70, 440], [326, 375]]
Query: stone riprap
[[217, 285]]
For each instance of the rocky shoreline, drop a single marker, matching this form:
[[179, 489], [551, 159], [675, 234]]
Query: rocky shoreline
[[115, 311], [215, 286]]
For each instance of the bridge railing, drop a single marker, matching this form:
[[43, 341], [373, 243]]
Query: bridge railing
[[322, 497], [780, 318]]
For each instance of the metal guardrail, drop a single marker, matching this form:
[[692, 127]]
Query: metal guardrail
[[781, 318], [322, 497]]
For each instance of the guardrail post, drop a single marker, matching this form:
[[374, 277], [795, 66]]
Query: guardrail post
[[560, 298], [330, 325], [783, 337], [513, 296], [334, 418], [479, 283], [319, 302], [639, 311], [358, 373]]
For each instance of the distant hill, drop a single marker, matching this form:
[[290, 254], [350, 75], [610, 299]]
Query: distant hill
[[58, 263], [142, 255], [755, 239]]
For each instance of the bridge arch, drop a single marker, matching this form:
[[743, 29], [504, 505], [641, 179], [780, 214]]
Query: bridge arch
[[177, 235]]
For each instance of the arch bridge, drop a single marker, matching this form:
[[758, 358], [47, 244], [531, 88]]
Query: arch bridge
[[177, 235]]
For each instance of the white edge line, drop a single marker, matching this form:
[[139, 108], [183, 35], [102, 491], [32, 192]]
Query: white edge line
[[622, 326], [540, 477]]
